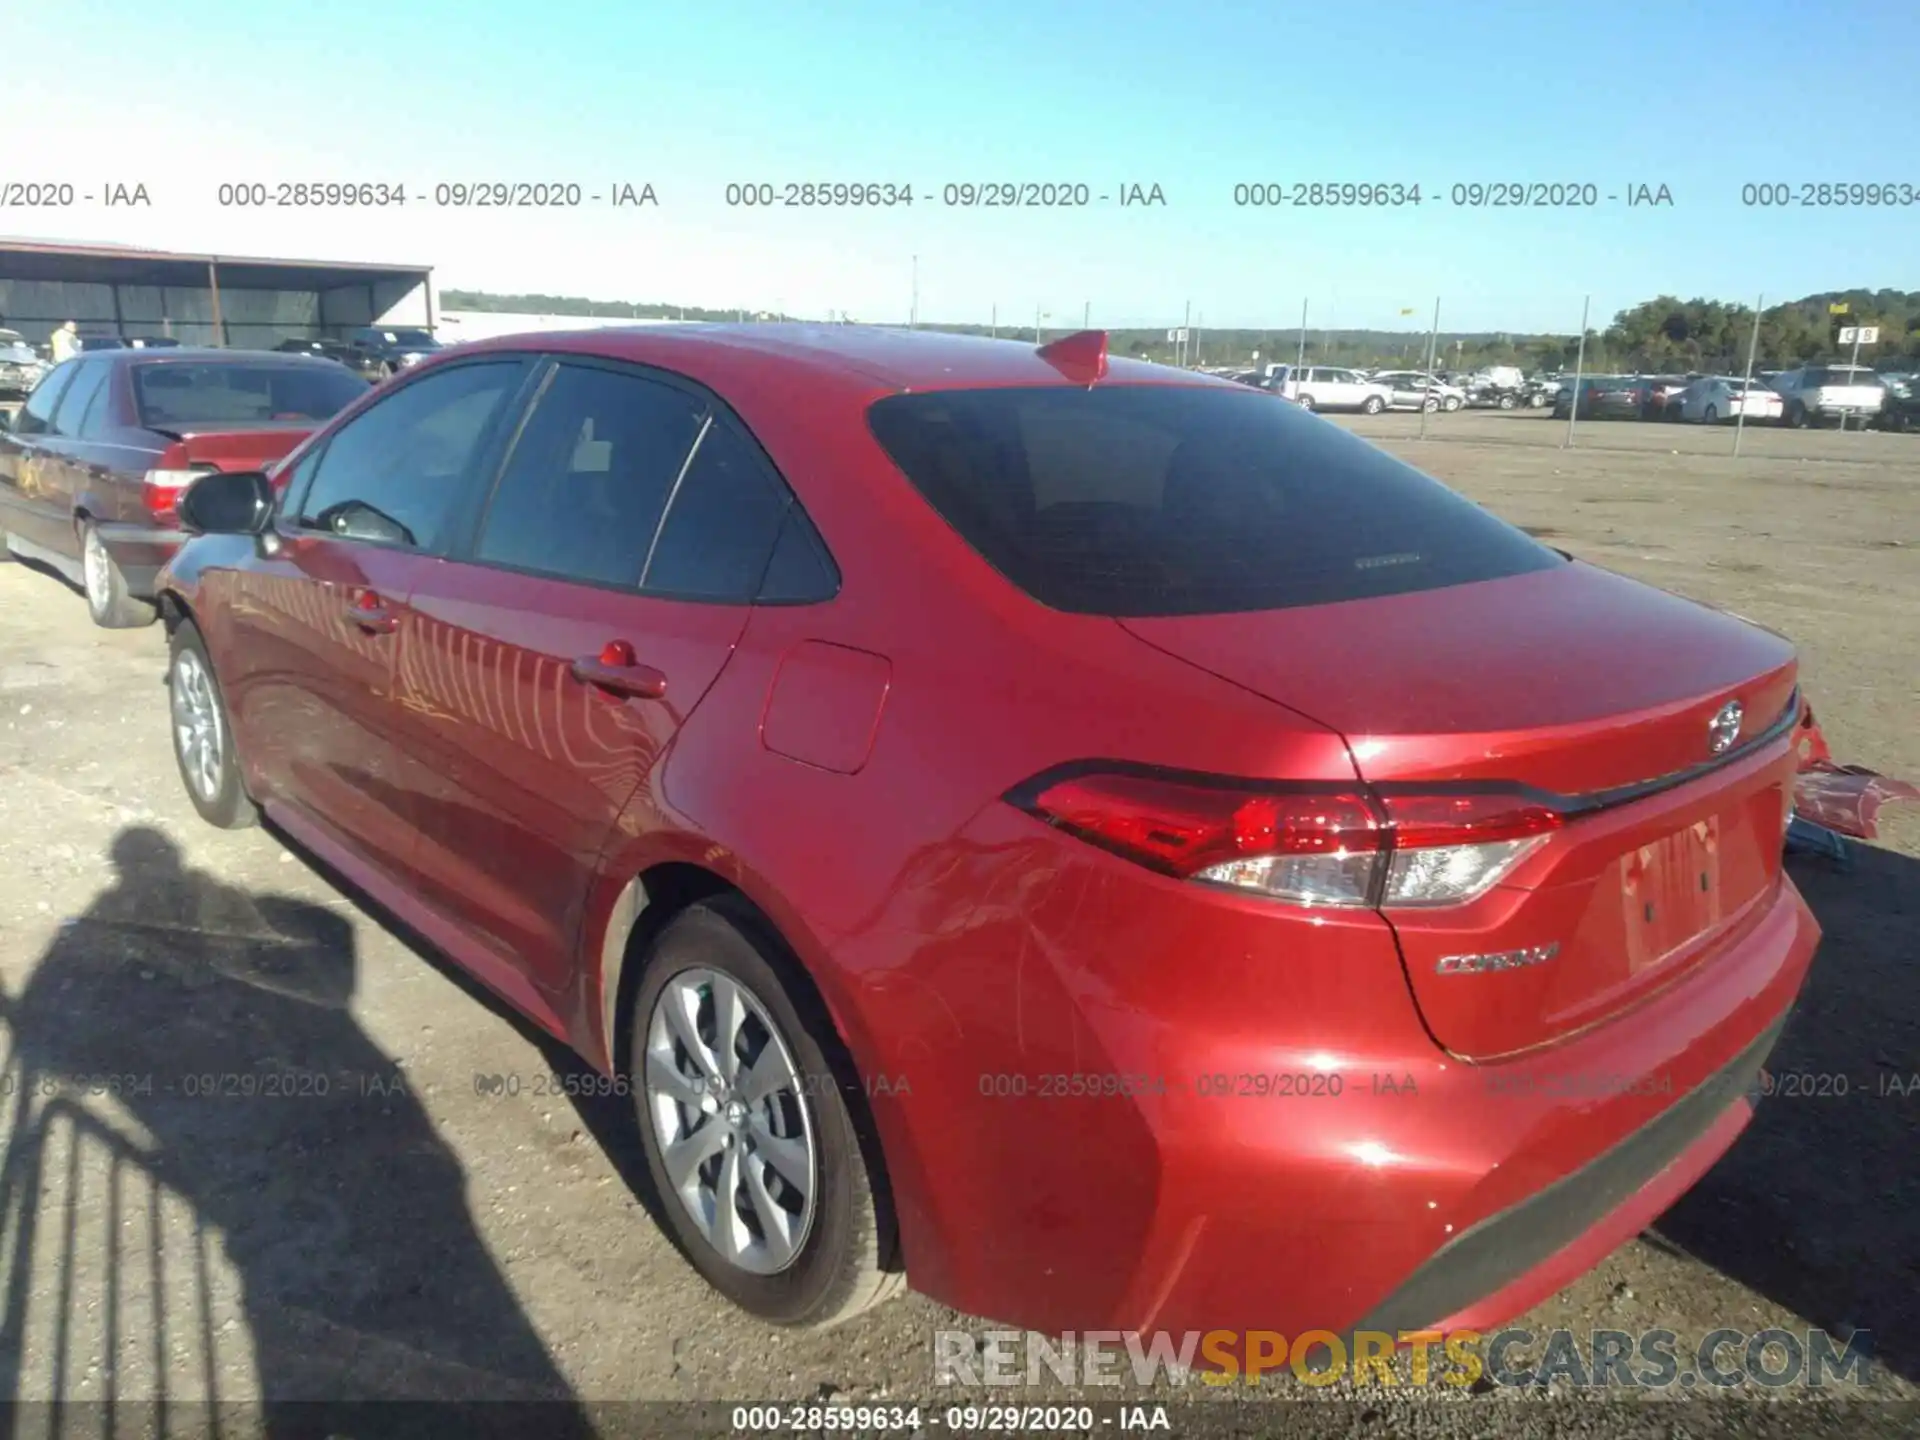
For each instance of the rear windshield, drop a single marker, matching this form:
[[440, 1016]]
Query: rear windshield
[[215, 393], [1150, 500]]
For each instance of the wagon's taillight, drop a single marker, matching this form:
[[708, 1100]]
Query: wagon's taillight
[[1306, 845]]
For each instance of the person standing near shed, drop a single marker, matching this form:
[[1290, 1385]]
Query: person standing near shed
[[66, 342]]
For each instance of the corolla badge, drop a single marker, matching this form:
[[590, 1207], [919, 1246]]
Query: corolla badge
[[1497, 960], [1724, 728]]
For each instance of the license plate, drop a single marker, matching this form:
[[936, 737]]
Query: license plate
[[1671, 890]]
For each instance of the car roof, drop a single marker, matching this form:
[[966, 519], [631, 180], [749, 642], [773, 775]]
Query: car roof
[[168, 354], [889, 358]]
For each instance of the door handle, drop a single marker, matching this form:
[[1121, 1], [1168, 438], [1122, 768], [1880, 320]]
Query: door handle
[[370, 613], [615, 669]]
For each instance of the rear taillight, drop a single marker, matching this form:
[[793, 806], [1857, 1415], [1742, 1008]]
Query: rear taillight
[[1338, 845], [160, 491], [1445, 849]]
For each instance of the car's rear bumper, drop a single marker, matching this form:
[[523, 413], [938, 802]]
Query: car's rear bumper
[[1495, 1186], [140, 551], [1511, 1261], [1285, 1148]]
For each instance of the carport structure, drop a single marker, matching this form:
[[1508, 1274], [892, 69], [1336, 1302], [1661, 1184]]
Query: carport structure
[[243, 301]]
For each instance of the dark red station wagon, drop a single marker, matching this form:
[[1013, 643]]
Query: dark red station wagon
[[93, 463], [1100, 844]]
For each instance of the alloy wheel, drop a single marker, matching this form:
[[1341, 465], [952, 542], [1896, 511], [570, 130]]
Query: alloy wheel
[[198, 734], [731, 1118], [97, 570]]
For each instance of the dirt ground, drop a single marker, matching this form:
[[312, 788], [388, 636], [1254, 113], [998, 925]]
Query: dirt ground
[[401, 1235]]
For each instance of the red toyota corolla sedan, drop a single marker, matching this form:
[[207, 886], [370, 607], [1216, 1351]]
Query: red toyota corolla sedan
[[1097, 843]]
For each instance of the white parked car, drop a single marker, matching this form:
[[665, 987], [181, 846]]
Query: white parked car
[[1330, 387], [1814, 393], [1417, 390], [1713, 398]]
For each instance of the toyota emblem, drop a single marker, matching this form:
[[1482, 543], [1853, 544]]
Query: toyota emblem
[[1724, 728]]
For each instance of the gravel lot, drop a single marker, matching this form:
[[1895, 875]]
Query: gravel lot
[[403, 1236]]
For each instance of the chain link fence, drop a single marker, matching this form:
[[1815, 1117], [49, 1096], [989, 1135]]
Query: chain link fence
[[1651, 353]]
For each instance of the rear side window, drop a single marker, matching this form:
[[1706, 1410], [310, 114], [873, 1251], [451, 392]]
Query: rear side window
[[799, 572], [91, 376], [177, 394], [36, 416], [1181, 500], [721, 530], [583, 491]]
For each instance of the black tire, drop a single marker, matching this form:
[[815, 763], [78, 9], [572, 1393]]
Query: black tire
[[1372, 405], [1506, 402], [1430, 405], [224, 801], [105, 587], [849, 1259], [1306, 402]]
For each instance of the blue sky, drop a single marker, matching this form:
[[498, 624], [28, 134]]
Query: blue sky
[[1700, 97]]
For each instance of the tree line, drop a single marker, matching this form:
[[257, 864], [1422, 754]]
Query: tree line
[[1664, 335]]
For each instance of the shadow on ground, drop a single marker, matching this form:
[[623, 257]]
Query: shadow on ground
[[1818, 1204], [238, 1094]]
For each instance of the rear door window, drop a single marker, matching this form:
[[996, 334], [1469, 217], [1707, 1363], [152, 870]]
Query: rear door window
[[1150, 500], [589, 477]]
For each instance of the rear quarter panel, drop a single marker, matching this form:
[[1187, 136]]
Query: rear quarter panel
[[878, 879]]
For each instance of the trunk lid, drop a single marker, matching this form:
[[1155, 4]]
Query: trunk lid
[[229, 449], [1578, 682]]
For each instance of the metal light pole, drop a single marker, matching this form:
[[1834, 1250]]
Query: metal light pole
[[213, 286], [995, 327], [1746, 382], [1853, 364], [1186, 331], [1037, 317], [913, 314], [1579, 363], [1086, 316], [1433, 342]]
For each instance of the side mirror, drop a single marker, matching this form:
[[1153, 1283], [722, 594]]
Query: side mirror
[[232, 502]]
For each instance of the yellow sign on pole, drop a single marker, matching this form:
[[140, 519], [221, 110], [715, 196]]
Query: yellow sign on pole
[[1839, 308]]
